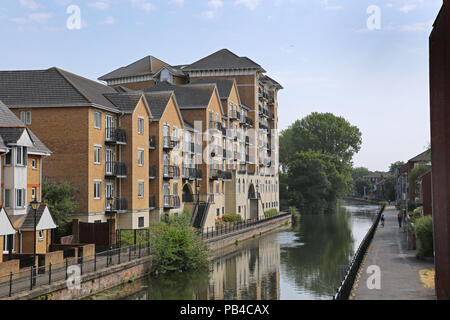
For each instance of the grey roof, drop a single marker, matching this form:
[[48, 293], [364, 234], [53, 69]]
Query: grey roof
[[423, 157], [125, 102], [52, 87], [268, 79], [28, 221], [176, 71], [157, 102], [223, 60], [144, 66], [223, 85], [11, 129], [188, 96]]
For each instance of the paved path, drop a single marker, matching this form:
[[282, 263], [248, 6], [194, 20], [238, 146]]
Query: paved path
[[400, 269]]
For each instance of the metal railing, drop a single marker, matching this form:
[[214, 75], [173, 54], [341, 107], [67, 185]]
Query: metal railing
[[345, 289], [32, 277], [217, 231]]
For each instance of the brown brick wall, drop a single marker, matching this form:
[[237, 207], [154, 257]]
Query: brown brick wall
[[440, 143]]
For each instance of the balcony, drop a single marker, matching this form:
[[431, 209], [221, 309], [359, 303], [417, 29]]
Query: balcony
[[120, 204], [171, 202], [203, 198], [225, 175], [247, 140], [171, 172], [116, 136], [169, 143], [152, 143], [248, 122], [115, 170], [152, 172]]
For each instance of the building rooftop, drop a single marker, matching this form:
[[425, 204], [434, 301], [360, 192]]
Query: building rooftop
[[423, 157]]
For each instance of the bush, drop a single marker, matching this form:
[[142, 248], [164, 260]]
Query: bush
[[270, 213], [231, 217], [424, 233], [295, 215]]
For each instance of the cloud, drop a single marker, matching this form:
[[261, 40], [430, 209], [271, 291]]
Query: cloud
[[250, 4], [214, 6], [108, 20], [177, 2], [100, 5], [29, 4], [145, 5], [38, 17]]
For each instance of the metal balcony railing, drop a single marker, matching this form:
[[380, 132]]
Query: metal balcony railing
[[171, 172], [169, 142], [115, 136], [115, 170], [203, 198], [152, 142], [171, 202], [152, 202]]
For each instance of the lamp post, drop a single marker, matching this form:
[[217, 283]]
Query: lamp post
[[35, 205], [110, 208]]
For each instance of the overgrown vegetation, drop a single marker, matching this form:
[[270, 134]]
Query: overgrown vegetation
[[231, 218], [414, 176], [316, 159], [295, 215], [177, 247], [424, 233], [60, 201]]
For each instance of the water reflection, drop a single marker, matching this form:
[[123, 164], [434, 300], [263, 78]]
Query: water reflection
[[300, 263]]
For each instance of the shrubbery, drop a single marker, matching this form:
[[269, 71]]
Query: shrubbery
[[177, 247], [270, 213], [424, 233], [231, 217], [295, 215]]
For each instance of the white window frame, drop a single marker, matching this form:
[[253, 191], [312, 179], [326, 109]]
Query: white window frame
[[34, 163], [20, 199], [41, 235], [34, 193], [141, 189], [5, 244], [7, 199], [97, 154], [141, 125], [140, 157], [97, 189], [97, 125], [25, 117]]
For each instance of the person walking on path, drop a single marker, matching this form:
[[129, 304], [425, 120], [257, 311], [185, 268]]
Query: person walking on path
[[382, 220], [400, 219]]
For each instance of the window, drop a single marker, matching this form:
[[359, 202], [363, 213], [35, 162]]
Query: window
[[8, 158], [141, 222], [217, 187], [141, 125], [9, 243], [97, 120], [41, 235], [34, 163], [141, 189], [140, 157], [20, 198], [97, 190], [97, 155], [33, 193], [7, 198], [25, 117], [218, 212], [19, 156], [175, 188]]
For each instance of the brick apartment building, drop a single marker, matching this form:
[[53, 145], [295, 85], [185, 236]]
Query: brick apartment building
[[21, 155], [136, 149], [440, 144]]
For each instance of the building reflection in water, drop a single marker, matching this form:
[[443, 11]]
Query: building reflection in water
[[251, 273]]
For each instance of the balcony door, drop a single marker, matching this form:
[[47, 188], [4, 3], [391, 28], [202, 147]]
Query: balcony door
[[109, 161], [166, 189], [166, 164], [109, 193], [109, 127]]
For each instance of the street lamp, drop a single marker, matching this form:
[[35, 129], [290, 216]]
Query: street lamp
[[35, 205]]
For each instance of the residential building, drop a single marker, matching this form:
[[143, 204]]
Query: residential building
[[99, 137], [21, 163], [440, 144]]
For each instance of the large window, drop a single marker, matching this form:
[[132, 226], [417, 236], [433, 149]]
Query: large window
[[9, 243], [140, 157], [20, 198], [21, 156], [97, 154], [7, 198]]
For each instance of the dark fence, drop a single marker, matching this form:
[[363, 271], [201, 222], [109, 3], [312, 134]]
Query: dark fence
[[345, 289], [32, 277], [217, 231]]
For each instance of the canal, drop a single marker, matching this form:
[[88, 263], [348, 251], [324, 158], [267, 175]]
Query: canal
[[305, 262]]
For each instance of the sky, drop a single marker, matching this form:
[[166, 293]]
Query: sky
[[366, 61]]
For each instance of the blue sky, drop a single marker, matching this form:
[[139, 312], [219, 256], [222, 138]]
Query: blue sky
[[321, 51]]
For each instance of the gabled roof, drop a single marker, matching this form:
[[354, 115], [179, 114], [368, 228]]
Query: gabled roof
[[51, 87], [144, 66], [125, 102], [423, 157], [224, 60], [267, 79], [6, 227], [173, 70], [157, 102], [187, 96], [44, 220], [11, 129], [223, 85]]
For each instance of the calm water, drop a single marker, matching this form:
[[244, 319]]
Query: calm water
[[305, 262]]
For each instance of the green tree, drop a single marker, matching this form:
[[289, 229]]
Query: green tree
[[360, 172], [321, 132], [361, 185], [59, 199], [415, 174], [394, 166], [389, 188]]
